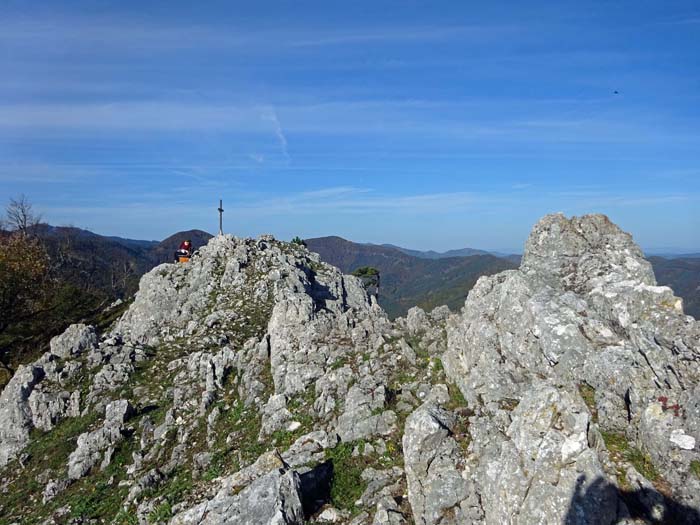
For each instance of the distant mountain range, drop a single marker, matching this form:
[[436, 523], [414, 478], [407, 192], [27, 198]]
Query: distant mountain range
[[408, 280], [682, 274], [429, 278], [111, 264], [675, 255], [464, 252], [430, 254]]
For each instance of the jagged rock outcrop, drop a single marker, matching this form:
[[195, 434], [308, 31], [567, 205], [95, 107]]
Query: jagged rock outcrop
[[271, 493], [99, 444], [583, 314], [257, 384]]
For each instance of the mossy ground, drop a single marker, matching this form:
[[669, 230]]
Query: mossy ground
[[695, 468], [621, 451], [588, 394]]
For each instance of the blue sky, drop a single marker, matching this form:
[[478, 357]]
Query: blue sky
[[432, 125]]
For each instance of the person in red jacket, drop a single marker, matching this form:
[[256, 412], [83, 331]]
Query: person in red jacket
[[186, 246], [185, 250]]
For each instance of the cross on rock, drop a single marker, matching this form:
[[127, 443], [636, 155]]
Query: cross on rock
[[221, 217]]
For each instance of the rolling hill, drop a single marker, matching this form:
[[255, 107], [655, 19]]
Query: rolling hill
[[408, 280], [682, 274]]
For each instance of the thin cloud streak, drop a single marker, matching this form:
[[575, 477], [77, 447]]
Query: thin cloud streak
[[270, 115], [363, 200], [134, 33], [338, 118]]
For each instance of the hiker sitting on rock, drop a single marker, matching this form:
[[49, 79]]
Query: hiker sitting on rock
[[186, 247]]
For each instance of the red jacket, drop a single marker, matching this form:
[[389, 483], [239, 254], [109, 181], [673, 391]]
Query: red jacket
[[184, 246]]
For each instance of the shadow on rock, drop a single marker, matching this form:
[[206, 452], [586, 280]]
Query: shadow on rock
[[644, 506], [316, 488]]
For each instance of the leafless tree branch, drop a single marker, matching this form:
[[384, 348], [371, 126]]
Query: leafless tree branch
[[21, 216]]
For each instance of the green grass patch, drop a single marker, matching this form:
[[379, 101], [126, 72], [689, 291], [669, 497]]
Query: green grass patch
[[347, 485], [622, 451], [456, 398], [338, 363], [51, 449], [172, 491], [695, 468], [588, 394], [161, 514]]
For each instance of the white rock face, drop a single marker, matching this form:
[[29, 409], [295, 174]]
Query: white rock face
[[584, 308], [15, 414]]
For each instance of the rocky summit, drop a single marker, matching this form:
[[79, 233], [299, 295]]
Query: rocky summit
[[258, 385]]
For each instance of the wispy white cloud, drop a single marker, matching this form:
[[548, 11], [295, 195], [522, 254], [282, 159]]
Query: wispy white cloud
[[354, 200], [270, 115], [130, 33], [257, 157], [402, 34], [443, 118]]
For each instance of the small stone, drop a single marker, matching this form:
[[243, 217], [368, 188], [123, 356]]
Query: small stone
[[682, 440], [329, 515]]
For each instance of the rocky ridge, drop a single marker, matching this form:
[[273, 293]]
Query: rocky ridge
[[257, 384]]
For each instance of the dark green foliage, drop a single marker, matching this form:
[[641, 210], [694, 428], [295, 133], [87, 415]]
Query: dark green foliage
[[298, 240], [365, 271]]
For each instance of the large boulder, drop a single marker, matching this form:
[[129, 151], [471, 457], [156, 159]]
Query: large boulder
[[77, 338]]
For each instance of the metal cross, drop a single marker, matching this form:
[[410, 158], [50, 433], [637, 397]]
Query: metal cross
[[221, 217]]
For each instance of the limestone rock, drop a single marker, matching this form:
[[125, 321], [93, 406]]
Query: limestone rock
[[15, 413], [272, 498], [582, 310], [77, 339], [97, 446], [434, 467]]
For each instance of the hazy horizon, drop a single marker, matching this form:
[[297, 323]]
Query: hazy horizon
[[385, 122], [649, 251]]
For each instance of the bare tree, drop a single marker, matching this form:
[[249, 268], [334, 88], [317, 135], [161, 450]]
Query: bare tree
[[120, 273], [20, 215]]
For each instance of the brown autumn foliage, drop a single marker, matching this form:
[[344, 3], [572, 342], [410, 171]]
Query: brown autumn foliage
[[24, 276]]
